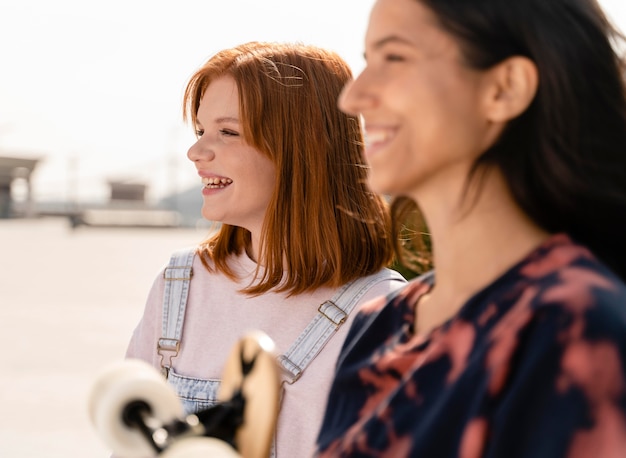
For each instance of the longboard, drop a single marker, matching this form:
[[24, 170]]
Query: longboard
[[137, 414]]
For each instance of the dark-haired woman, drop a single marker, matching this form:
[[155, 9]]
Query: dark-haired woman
[[506, 123]]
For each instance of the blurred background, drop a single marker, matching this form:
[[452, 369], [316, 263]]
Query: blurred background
[[95, 187], [91, 90]]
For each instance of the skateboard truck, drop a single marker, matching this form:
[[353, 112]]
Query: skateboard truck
[[138, 414], [220, 421]]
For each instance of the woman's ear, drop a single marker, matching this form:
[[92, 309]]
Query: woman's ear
[[512, 87]]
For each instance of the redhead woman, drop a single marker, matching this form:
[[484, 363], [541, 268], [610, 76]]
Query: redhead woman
[[302, 242]]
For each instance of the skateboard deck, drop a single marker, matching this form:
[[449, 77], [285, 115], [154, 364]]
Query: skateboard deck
[[137, 414]]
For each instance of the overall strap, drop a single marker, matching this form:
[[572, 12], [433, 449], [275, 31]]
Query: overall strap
[[332, 314], [177, 276]]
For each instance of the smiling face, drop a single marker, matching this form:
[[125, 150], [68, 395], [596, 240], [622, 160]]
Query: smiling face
[[238, 181], [422, 106]]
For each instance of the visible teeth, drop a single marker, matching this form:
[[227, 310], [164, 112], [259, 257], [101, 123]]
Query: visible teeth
[[377, 137], [216, 182]]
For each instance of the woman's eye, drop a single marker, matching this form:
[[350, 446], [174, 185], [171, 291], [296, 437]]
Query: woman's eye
[[394, 58], [229, 133], [199, 132]]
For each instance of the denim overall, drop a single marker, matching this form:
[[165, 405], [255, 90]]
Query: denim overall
[[197, 394]]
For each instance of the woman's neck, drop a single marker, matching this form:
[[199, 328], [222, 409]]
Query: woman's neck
[[474, 242]]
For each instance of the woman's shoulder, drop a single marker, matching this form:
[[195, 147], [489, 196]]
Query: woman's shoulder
[[562, 273], [200, 273], [567, 274], [564, 292], [589, 299]]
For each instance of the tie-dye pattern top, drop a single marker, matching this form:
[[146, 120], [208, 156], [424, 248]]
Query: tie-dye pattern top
[[534, 366]]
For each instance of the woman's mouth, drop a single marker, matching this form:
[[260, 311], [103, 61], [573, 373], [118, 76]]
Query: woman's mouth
[[215, 182], [375, 138]]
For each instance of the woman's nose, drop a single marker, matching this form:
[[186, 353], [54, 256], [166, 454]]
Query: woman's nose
[[356, 97], [200, 151]]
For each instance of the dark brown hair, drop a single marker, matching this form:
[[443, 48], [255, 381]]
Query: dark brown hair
[[564, 158]]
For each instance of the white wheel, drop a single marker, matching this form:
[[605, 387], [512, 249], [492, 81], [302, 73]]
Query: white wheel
[[200, 447], [118, 386]]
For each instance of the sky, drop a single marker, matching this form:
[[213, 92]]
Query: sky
[[94, 88]]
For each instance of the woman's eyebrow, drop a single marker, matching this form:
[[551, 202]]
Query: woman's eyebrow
[[390, 39], [227, 119], [386, 40]]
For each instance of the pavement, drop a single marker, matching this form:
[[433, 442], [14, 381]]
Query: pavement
[[69, 301]]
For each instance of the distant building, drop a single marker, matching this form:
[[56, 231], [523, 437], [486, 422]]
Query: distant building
[[123, 191], [127, 207], [11, 169]]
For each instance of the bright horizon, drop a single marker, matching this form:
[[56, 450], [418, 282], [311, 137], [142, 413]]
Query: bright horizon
[[94, 88]]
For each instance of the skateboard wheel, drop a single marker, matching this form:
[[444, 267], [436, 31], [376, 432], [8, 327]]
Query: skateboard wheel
[[119, 386], [199, 447]]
